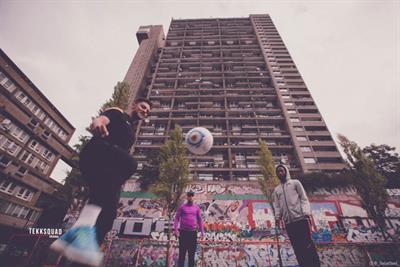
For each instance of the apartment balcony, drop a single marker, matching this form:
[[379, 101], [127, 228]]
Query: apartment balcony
[[326, 166], [312, 123], [319, 143], [328, 154]]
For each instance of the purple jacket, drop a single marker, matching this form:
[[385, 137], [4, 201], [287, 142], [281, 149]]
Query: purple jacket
[[188, 216]]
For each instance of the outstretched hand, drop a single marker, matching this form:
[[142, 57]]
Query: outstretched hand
[[99, 126]]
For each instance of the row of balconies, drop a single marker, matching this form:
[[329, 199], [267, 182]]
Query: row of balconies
[[204, 53], [204, 93], [211, 64], [194, 26], [214, 109], [248, 39], [214, 39], [228, 69], [176, 51], [211, 60], [231, 116], [214, 34], [146, 133], [213, 30], [183, 86], [239, 144]]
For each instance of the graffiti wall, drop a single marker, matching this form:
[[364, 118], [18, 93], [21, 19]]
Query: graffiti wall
[[241, 230]]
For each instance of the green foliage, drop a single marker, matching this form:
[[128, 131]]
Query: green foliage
[[173, 171], [173, 176], [74, 184], [119, 98], [369, 183], [151, 172], [386, 161], [268, 181]]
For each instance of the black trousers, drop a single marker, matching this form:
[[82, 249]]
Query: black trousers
[[105, 168], [187, 243], [300, 236]]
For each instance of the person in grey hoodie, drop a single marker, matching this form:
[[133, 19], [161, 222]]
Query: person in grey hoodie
[[291, 204]]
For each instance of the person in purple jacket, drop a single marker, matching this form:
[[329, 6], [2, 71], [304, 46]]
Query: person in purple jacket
[[188, 217]]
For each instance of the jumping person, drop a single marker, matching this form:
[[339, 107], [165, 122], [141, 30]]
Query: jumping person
[[291, 203], [105, 163], [188, 217]]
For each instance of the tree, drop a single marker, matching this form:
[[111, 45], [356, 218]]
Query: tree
[[268, 180], [173, 179], [119, 98], [151, 172], [370, 184], [386, 161], [74, 183]]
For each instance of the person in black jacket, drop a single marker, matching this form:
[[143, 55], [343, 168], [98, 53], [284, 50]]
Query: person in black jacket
[[105, 163]]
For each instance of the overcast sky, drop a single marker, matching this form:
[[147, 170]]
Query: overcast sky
[[348, 53]]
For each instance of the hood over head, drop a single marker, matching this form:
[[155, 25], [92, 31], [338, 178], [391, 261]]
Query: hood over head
[[285, 179]]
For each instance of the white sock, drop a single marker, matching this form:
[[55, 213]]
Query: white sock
[[88, 215]]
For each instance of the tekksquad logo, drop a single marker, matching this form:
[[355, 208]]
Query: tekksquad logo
[[50, 232]]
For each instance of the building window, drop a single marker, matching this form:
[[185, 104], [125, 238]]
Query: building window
[[47, 154], [21, 171], [10, 147], [32, 123], [7, 186], [45, 135], [40, 114], [305, 148], [42, 166], [294, 120], [24, 213], [19, 134], [30, 160], [10, 208], [34, 215], [9, 85], [301, 138], [2, 77], [5, 124], [21, 97], [35, 145], [289, 104], [14, 209], [291, 111], [27, 102], [4, 161], [24, 193], [309, 160]]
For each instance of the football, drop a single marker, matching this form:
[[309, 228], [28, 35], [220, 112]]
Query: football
[[199, 140]]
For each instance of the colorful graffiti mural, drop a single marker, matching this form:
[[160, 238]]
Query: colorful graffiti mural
[[241, 230]]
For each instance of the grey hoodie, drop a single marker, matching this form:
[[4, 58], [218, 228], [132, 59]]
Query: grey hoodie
[[290, 200]]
